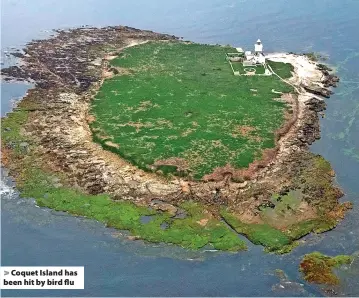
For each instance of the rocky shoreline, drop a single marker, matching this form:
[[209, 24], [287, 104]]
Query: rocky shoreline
[[69, 68]]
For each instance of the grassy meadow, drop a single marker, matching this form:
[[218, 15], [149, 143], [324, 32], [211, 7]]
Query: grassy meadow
[[178, 100]]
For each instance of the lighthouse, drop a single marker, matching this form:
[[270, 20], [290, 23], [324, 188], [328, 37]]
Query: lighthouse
[[258, 47], [258, 53], [256, 58]]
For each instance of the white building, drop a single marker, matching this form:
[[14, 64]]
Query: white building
[[258, 47], [260, 59], [258, 53], [249, 55]]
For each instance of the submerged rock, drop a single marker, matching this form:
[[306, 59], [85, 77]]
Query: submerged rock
[[165, 207], [285, 286]]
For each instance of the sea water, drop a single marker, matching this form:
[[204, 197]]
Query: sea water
[[115, 266]]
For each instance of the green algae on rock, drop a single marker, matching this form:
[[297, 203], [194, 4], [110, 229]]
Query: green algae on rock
[[194, 231], [318, 268], [262, 234], [286, 217]]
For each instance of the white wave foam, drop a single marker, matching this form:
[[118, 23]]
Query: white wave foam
[[6, 191]]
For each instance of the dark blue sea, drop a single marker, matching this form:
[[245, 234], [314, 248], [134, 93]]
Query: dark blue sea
[[115, 266]]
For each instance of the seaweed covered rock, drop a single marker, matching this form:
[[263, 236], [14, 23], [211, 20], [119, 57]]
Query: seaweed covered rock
[[318, 268]]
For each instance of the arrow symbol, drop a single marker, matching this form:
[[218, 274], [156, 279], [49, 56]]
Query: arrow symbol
[[6, 272]]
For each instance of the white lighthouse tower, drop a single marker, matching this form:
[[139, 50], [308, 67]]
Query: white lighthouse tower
[[258, 47], [258, 52]]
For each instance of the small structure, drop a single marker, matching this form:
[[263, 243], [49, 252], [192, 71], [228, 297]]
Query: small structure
[[249, 59], [257, 57], [258, 47], [237, 56], [240, 50], [258, 50]]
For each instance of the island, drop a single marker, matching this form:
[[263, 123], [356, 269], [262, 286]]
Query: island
[[318, 268], [176, 142]]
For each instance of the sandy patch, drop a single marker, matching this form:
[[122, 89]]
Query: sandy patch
[[203, 222], [111, 144]]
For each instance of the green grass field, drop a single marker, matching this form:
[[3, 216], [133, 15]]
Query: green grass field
[[177, 100]]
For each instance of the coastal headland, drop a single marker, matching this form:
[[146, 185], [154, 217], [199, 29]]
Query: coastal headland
[[94, 138]]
